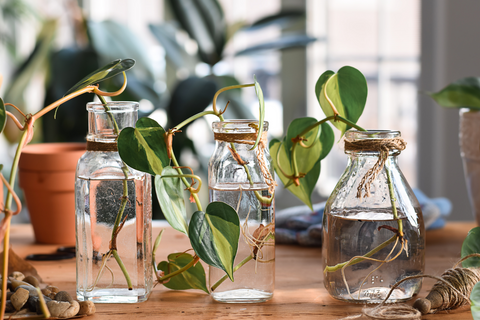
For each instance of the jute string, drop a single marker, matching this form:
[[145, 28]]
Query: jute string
[[101, 146], [454, 287], [249, 139], [383, 147]]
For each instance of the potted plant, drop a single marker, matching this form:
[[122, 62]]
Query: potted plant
[[465, 95], [47, 177], [86, 85]]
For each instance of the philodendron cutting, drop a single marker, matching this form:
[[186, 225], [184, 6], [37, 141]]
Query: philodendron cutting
[[86, 85], [214, 231]]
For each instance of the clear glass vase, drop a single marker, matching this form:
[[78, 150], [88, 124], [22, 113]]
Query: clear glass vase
[[370, 244], [113, 214], [243, 178]]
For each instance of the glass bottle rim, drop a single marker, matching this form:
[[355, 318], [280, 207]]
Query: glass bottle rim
[[115, 106], [237, 126], [355, 135]]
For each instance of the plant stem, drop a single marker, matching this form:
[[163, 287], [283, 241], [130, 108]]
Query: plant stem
[[185, 182], [8, 216], [123, 204], [393, 200], [124, 270], [184, 268], [367, 255], [238, 266], [193, 118], [154, 250]]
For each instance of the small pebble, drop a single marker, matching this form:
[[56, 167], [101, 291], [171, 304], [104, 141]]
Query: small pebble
[[19, 298], [46, 291], [86, 308], [9, 307], [17, 275], [57, 308], [32, 280], [32, 290], [63, 296], [52, 288]]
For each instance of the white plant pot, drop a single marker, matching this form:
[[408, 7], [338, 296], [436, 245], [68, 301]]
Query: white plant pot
[[470, 152]]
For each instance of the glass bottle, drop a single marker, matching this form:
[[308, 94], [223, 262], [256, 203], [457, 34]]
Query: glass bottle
[[357, 226], [248, 187], [109, 195]]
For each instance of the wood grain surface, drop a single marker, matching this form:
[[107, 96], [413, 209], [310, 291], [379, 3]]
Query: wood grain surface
[[299, 291]]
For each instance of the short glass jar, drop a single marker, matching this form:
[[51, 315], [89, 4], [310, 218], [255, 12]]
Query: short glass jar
[[113, 213], [243, 178], [371, 241]]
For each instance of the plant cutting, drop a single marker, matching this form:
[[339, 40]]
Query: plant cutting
[[373, 229], [465, 95], [214, 232], [86, 85]]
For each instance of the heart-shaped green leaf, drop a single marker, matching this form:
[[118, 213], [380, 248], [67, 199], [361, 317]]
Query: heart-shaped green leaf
[[475, 301], [170, 197], [461, 93], [347, 91], [470, 245], [307, 184], [3, 115], [104, 73], [319, 142], [192, 278], [261, 102], [143, 147], [214, 235]]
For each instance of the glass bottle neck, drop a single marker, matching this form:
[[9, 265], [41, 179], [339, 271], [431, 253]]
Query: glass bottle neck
[[106, 122]]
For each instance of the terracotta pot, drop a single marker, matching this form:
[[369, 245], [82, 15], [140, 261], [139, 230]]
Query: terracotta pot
[[47, 177], [470, 152]]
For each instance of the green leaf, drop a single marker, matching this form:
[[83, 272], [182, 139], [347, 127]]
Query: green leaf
[[282, 43], [143, 147], [470, 245], [192, 278], [204, 22], [3, 115], [307, 184], [461, 93], [170, 197], [475, 301], [261, 102], [214, 235], [116, 40], [104, 73], [347, 90], [319, 142]]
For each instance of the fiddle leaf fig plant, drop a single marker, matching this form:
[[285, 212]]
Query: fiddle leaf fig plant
[[87, 85]]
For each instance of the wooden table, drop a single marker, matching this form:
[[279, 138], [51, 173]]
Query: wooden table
[[299, 291]]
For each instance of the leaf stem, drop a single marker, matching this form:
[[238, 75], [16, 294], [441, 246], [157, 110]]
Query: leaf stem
[[367, 255], [193, 118], [393, 200], [214, 103], [185, 182], [154, 250], [238, 266], [184, 268], [8, 216], [124, 270]]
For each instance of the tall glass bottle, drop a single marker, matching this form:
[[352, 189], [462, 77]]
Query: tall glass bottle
[[371, 242], [243, 178], [113, 214]]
